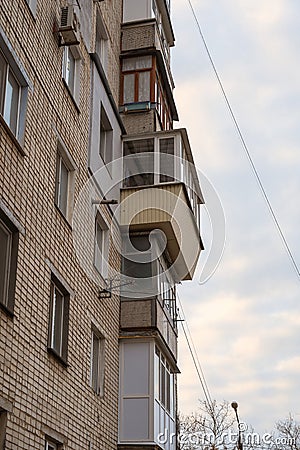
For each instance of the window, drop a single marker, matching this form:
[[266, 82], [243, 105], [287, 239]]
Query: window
[[139, 169], [9, 238], [164, 380], [101, 246], [167, 289], [71, 70], [65, 179], [149, 153], [3, 421], [106, 137], [13, 93], [59, 319], [166, 162], [162, 105], [101, 41], [97, 362], [50, 445], [136, 76]]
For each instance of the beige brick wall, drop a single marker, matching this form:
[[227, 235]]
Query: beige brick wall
[[137, 37], [139, 123], [112, 16], [43, 392]]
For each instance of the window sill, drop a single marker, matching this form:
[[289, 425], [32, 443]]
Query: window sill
[[12, 136], [53, 353], [68, 223], [9, 312], [71, 96]]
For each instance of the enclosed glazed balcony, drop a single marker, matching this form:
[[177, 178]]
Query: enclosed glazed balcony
[[161, 191]]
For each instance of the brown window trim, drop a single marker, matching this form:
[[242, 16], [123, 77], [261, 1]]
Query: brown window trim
[[136, 72]]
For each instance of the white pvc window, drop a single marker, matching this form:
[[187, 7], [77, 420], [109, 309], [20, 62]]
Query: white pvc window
[[71, 70], [10, 95], [59, 318], [97, 363], [64, 184], [51, 445], [101, 246], [106, 137], [6, 246]]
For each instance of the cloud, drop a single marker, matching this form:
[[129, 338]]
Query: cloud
[[245, 320]]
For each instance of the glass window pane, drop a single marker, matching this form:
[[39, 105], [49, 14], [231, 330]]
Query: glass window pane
[[163, 384], [141, 62], [57, 321], [144, 62], [95, 363], [3, 68], [129, 88], [69, 69], [5, 245], [168, 400], [166, 149], [99, 246], [139, 169], [144, 86], [141, 243], [136, 270], [106, 137], [11, 103], [156, 375], [63, 187]]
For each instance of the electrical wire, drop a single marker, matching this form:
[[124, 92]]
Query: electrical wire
[[245, 147], [194, 353]]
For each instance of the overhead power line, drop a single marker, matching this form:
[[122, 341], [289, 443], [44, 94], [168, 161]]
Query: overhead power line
[[245, 147], [194, 354]]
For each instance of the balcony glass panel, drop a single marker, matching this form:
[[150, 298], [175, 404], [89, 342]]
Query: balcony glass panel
[[167, 166], [161, 159], [129, 81], [144, 86], [139, 170]]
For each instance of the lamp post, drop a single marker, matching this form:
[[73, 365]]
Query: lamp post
[[235, 407]]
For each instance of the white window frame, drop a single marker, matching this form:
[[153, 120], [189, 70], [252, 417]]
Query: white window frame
[[74, 86], [64, 157], [101, 249], [101, 41], [63, 321], [50, 445], [10, 265], [7, 263], [14, 68], [106, 137], [97, 367]]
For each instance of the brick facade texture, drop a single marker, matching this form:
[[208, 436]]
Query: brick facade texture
[[44, 394]]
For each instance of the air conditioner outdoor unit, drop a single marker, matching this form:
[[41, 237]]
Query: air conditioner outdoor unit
[[69, 26]]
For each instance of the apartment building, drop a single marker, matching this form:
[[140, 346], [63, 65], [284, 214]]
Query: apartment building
[[99, 220]]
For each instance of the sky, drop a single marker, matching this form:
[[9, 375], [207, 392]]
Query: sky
[[245, 319]]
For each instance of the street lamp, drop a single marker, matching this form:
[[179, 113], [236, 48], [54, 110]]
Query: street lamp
[[235, 407]]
